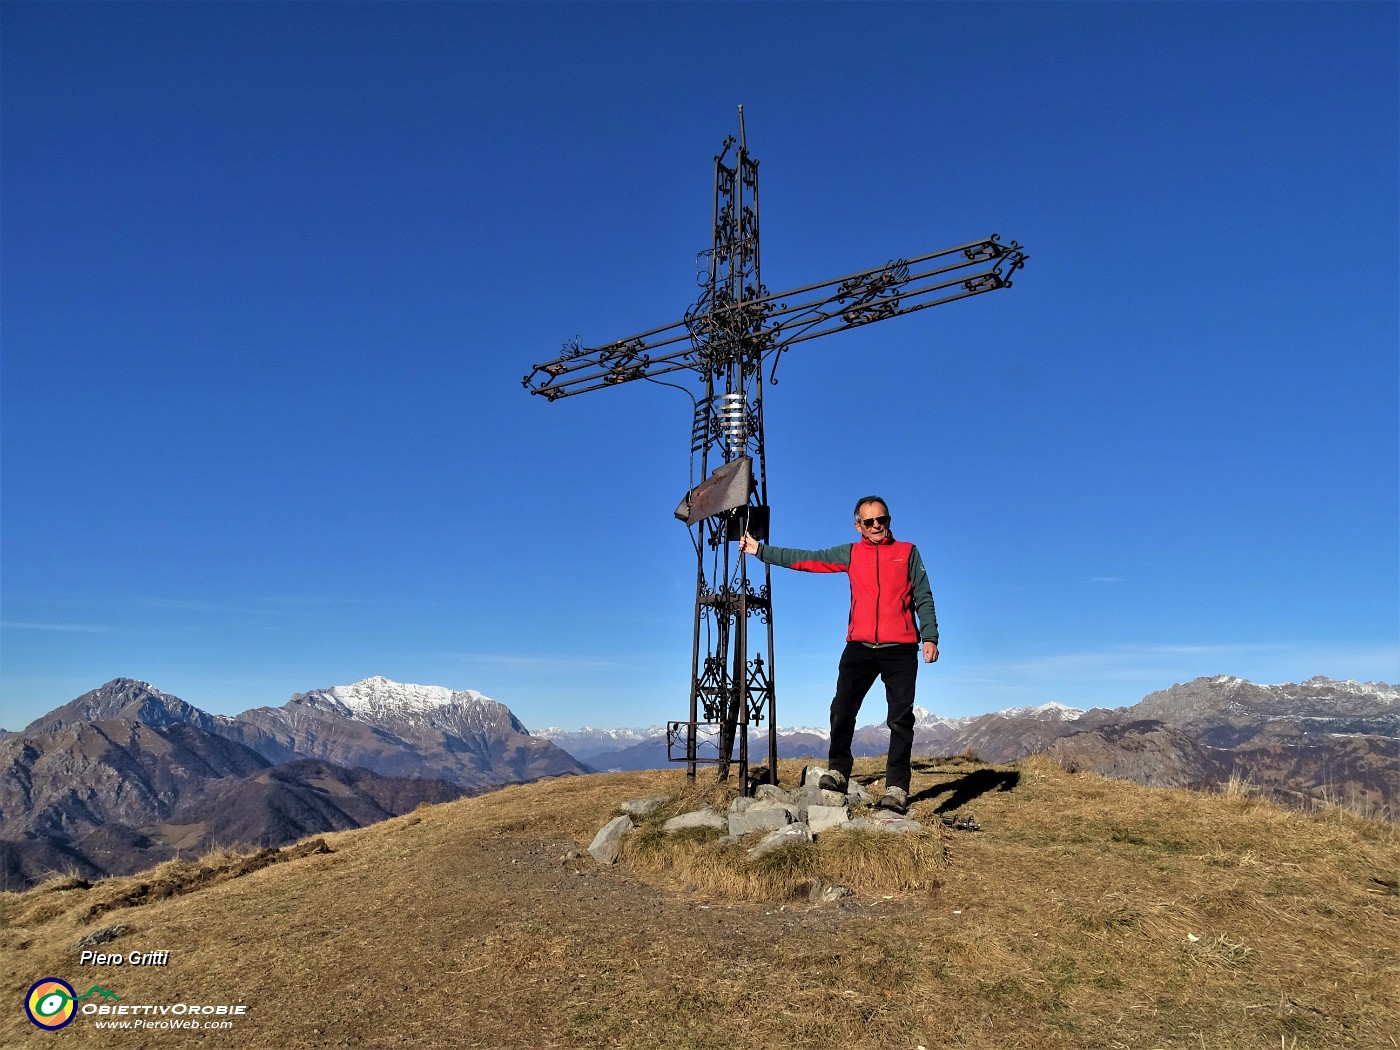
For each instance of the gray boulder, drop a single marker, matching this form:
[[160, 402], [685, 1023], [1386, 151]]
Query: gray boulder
[[791, 833], [890, 824], [820, 818], [607, 844], [640, 807], [760, 816], [772, 793], [699, 818]]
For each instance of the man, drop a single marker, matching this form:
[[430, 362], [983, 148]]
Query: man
[[889, 593]]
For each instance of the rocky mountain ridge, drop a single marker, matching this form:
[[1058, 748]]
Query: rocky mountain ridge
[[127, 775], [1225, 697], [405, 730], [1300, 742]]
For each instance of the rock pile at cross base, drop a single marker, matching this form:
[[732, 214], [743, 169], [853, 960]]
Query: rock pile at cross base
[[787, 816]]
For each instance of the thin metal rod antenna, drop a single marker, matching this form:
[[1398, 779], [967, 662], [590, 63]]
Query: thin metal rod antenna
[[734, 327]]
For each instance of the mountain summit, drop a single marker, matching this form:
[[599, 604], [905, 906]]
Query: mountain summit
[[123, 698], [400, 729], [386, 703], [126, 775]]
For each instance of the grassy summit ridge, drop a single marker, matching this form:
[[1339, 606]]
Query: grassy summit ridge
[[1087, 913]]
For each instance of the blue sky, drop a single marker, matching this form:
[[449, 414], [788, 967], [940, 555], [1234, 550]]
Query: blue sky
[[272, 274]]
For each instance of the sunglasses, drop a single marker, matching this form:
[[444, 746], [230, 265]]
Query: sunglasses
[[870, 523]]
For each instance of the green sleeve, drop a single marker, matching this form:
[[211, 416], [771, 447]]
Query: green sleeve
[[832, 559], [923, 598]]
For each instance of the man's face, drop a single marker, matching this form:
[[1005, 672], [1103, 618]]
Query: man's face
[[879, 517]]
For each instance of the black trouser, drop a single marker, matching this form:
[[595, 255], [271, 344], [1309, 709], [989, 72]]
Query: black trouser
[[898, 667]]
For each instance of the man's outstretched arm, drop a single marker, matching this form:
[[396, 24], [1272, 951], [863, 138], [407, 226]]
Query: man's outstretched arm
[[832, 559]]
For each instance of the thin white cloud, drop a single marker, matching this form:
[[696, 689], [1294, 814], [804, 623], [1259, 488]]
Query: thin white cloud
[[293, 604], [76, 628]]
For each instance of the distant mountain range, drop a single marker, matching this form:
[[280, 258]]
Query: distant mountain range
[[630, 749], [1321, 739], [1317, 741], [126, 776]]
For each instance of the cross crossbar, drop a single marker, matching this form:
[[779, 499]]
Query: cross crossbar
[[841, 303]]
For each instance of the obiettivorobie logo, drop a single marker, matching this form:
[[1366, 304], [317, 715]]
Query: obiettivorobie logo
[[51, 1003]]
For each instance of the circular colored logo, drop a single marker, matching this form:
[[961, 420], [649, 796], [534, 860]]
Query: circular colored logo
[[50, 1003]]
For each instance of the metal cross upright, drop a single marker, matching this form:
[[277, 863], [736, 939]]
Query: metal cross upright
[[734, 328]]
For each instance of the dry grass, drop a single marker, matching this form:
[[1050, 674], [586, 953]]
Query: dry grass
[[1087, 914], [1242, 790], [875, 863]]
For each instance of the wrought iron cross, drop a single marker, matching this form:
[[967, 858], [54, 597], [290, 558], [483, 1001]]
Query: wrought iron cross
[[725, 339]]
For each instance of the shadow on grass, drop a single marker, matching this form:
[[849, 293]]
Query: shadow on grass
[[968, 787]]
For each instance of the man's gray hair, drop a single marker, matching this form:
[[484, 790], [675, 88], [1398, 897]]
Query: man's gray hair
[[870, 499]]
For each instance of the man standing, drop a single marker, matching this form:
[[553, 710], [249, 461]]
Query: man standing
[[891, 614]]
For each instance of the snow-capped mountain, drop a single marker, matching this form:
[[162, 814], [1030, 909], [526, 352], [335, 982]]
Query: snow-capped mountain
[[637, 748], [126, 776], [592, 740], [1048, 712], [401, 729], [380, 696], [588, 742], [394, 705]]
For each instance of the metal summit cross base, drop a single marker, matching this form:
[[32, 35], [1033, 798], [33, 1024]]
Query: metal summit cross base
[[725, 339]]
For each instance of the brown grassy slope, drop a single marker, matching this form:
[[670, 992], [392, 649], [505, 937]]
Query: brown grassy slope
[[1087, 913]]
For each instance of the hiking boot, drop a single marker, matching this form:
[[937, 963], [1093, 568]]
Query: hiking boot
[[896, 800], [833, 780]]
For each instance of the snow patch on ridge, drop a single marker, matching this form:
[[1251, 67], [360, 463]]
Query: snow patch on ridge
[[1051, 711], [1382, 690], [378, 694], [596, 733]]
